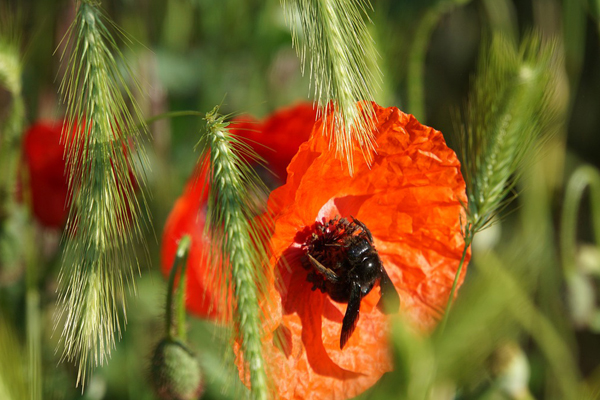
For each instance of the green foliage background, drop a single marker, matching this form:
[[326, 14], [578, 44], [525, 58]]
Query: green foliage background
[[531, 287]]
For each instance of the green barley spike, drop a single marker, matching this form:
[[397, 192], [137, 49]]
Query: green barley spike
[[509, 114], [234, 200], [105, 220], [341, 55], [510, 111]]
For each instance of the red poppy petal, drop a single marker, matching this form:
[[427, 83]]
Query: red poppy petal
[[277, 138], [205, 296]]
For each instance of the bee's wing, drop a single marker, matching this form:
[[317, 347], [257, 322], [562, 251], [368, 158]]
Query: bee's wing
[[390, 301], [352, 313], [328, 273]]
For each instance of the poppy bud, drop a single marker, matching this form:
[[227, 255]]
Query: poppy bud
[[175, 372]]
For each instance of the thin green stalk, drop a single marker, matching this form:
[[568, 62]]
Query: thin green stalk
[[341, 56], [232, 203], [416, 59], [34, 342], [180, 304], [584, 177], [468, 240], [574, 20], [501, 17], [179, 265], [33, 319], [106, 218], [172, 114]]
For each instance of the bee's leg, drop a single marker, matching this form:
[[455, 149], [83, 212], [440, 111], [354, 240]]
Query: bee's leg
[[390, 301], [329, 274], [364, 228], [352, 314]]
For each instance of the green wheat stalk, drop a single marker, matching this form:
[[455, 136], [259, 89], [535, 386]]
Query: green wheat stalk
[[105, 220], [234, 189], [509, 115], [342, 53]]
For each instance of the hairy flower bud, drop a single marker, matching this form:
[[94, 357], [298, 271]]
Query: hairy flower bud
[[175, 372]]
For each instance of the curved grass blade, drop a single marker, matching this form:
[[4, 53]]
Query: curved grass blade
[[106, 219], [584, 177]]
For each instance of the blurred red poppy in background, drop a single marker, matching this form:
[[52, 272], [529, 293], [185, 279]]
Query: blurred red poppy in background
[[410, 199], [276, 140], [43, 154]]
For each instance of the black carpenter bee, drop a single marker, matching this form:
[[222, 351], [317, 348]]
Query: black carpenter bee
[[343, 262]]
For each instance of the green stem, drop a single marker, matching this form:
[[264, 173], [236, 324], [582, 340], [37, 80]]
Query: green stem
[[34, 343], [468, 240], [181, 295], [583, 177], [416, 59], [33, 318], [172, 114], [158, 117], [180, 259], [416, 64], [501, 17], [574, 20]]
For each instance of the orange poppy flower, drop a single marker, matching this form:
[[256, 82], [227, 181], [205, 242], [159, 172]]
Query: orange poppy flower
[[276, 140], [410, 200]]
